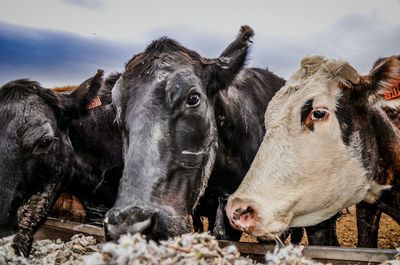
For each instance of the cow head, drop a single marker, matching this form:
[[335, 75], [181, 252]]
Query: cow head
[[164, 104], [322, 151], [34, 144]]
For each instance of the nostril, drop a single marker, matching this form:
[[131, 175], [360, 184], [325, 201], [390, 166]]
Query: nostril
[[112, 217], [140, 227], [243, 214], [131, 219]]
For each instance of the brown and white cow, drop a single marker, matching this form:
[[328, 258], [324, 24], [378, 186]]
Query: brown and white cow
[[328, 145]]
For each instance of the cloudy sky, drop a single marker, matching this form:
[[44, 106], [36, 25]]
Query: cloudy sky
[[59, 42]]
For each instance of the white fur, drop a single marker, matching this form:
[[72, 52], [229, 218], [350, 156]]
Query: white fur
[[116, 99], [186, 152], [161, 75], [206, 173]]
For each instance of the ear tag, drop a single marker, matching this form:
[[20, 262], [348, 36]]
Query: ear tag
[[96, 102], [394, 92]]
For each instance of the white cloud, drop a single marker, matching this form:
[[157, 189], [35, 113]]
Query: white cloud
[[359, 31], [131, 20], [86, 3]]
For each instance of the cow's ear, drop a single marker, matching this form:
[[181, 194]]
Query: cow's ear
[[82, 99], [384, 82], [223, 70]]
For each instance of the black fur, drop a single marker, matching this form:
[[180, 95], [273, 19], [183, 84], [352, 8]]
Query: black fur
[[166, 175], [305, 111], [37, 128]]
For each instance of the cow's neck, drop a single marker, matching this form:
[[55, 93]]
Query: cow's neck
[[388, 143], [240, 121], [98, 139], [98, 149]]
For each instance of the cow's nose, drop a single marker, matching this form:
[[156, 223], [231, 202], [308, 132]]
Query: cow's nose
[[127, 220], [241, 215]]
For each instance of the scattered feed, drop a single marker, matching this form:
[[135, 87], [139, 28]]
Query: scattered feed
[[199, 248], [49, 251]]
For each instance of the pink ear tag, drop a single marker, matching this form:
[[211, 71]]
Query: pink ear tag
[[96, 102]]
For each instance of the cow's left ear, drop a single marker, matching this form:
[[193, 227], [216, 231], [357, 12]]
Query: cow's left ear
[[384, 81], [223, 70], [83, 98]]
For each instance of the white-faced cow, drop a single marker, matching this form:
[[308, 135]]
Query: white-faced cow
[[328, 145], [37, 158]]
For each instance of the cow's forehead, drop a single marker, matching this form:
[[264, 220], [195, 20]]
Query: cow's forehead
[[27, 111], [298, 91], [165, 66], [148, 64], [320, 87]]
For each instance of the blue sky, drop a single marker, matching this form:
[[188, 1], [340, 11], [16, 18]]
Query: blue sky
[[60, 42]]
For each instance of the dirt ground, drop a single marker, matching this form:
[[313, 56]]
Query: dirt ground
[[389, 231]]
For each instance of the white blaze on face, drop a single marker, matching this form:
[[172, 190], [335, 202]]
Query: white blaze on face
[[303, 172]]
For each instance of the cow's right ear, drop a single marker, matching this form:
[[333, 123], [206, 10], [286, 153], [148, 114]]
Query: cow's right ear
[[384, 82], [223, 70], [77, 103]]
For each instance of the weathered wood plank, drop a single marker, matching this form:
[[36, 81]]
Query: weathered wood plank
[[363, 255], [55, 228]]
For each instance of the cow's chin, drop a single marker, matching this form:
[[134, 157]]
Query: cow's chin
[[170, 226], [155, 224], [271, 231], [314, 218]]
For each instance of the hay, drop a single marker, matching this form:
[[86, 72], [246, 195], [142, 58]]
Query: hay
[[49, 252], [130, 249], [289, 254], [186, 249]]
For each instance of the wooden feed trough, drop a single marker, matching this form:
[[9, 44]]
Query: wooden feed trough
[[55, 228]]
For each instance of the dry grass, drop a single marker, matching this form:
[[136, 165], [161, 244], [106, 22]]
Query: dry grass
[[64, 88]]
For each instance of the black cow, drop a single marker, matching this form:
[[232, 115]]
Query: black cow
[[165, 107], [39, 158]]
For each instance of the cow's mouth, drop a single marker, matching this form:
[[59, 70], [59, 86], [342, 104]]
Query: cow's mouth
[[154, 224]]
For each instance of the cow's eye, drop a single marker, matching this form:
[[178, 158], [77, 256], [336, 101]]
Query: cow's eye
[[43, 145], [193, 99], [319, 114]]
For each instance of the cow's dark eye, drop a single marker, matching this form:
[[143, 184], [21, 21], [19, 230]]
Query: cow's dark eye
[[319, 114], [43, 145], [193, 99]]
